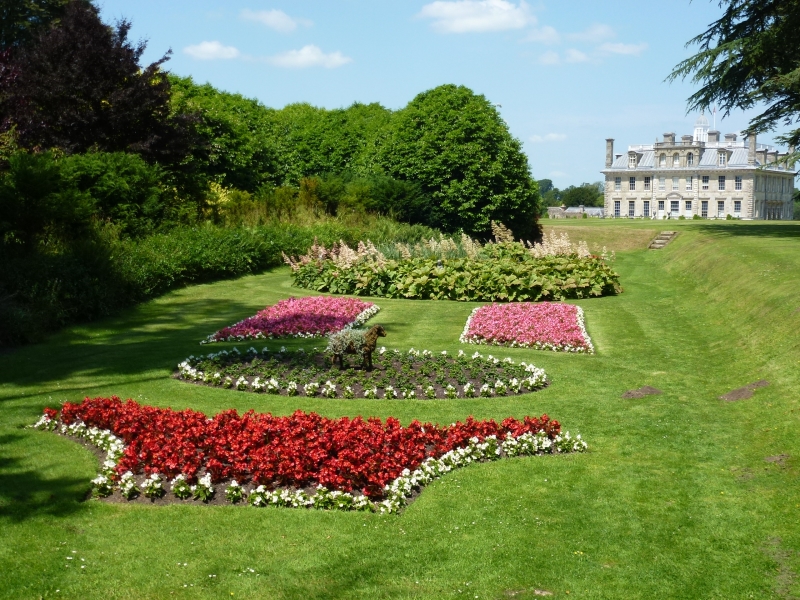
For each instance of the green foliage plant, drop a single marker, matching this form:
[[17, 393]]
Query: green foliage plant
[[505, 271]]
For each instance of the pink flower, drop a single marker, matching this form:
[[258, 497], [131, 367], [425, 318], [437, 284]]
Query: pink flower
[[544, 325], [307, 316]]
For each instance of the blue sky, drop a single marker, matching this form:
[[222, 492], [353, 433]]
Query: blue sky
[[567, 74]]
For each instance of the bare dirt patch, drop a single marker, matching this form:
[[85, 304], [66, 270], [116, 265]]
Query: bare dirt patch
[[744, 393], [785, 576], [779, 459], [643, 391], [616, 238]]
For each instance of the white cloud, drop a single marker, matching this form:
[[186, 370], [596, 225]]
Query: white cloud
[[211, 51], [543, 35], [571, 55], [309, 56], [464, 16], [575, 56], [274, 19], [548, 137], [619, 48], [595, 34], [549, 58]]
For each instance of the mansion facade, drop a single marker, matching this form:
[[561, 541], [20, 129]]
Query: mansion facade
[[699, 174]]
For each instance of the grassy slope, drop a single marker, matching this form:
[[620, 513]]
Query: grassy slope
[[674, 500]]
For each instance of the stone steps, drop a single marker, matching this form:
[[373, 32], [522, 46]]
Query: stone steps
[[662, 239]]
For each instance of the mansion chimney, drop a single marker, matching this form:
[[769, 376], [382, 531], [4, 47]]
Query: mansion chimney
[[730, 138], [687, 140], [609, 152], [669, 138], [761, 156], [751, 149], [713, 137]]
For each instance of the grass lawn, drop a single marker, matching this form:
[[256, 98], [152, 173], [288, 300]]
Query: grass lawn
[[674, 499]]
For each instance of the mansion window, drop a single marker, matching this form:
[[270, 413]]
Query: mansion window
[[662, 184], [674, 206], [617, 184], [662, 160], [689, 159], [616, 208], [646, 210], [737, 207], [704, 209], [676, 160], [647, 184], [675, 183], [661, 205], [721, 183], [690, 183], [688, 206], [631, 208], [722, 157], [632, 161], [738, 183], [720, 208], [631, 183], [705, 182]]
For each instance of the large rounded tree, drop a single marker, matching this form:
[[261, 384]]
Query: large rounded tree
[[455, 145]]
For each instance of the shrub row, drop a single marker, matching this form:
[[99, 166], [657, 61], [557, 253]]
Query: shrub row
[[42, 292], [501, 278]]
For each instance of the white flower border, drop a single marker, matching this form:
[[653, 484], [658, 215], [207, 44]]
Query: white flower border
[[360, 319], [465, 338], [535, 380], [397, 492]]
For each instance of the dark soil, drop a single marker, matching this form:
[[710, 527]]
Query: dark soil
[[744, 393], [643, 391], [399, 372]]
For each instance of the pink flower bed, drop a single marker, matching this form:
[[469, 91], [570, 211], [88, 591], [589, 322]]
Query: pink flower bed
[[542, 325], [310, 316]]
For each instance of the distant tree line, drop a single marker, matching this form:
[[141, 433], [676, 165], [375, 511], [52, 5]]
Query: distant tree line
[[585, 194]]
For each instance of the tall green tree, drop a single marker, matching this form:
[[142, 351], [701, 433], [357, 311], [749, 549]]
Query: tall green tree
[[750, 57], [455, 145]]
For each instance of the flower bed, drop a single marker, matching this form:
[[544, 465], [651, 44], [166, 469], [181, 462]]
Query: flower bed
[[309, 316], [302, 460], [412, 374], [508, 272], [546, 326]]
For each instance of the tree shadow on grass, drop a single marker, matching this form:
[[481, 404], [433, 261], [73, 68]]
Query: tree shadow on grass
[[150, 337], [25, 494], [785, 229]]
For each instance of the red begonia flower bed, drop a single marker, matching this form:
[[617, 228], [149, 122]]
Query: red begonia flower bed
[[295, 451]]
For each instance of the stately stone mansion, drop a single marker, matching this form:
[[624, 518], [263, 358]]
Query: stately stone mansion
[[699, 174]]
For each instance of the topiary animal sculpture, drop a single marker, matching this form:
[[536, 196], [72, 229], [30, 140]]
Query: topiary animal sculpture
[[355, 341]]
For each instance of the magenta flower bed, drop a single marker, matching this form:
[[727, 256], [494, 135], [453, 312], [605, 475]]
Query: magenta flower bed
[[542, 325], [310, 316]]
